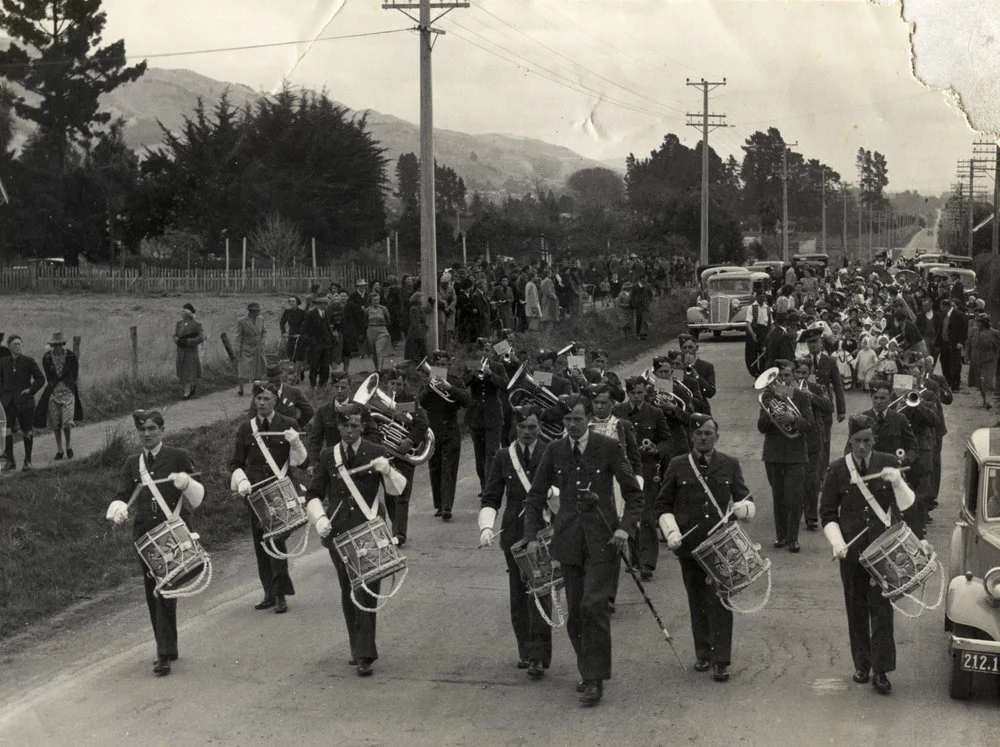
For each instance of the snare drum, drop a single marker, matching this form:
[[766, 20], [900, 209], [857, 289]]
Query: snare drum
[[732, 561], [541, 577], [369, 555], [175, 558], [280, 510], [897, 561]]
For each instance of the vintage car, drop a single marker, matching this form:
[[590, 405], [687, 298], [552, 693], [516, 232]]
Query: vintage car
[[816, 260], [967, 276], [972, 605], [723, 302]]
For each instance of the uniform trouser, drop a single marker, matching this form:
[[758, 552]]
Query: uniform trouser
[[936, 468], [485, 441], [163, 616], [398, 506], [589, 623], [923, 490], [810, 501], [533, 634], [647, 544], [869, 620], [273, 573], [824, 457], [360, 624], [443, 466], [319, 365], [786, 489], [711, 623]]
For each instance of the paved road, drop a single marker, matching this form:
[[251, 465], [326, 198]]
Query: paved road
[[447, 673], [924, 240]]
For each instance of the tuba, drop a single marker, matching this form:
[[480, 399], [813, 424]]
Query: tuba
[[661, 398], [393, 426], [523, 389], [434, 384], [779, 408]]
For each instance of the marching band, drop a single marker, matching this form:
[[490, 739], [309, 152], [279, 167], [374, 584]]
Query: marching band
[[590, 473]]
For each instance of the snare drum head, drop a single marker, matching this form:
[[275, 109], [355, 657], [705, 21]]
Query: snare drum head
[[730, 558], [896, 559], [368, 552], [172, 555]]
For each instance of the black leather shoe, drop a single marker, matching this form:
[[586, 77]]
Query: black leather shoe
[[400, 540], [69, 453], [702, 665], [811, 526], [446, 516], [779, 543], [581, 686], [162, 666], [720, 672], [280, 606], [58, 456], [592, 692], [437, 512], [523, 663], [860, 676], [265, 604], [793, 547], [352, 662], [535, 670], [646, 573], [364, 667], [881, 683]]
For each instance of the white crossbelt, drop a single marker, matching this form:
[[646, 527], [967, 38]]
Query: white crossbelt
[[147, 480], [279, 473], [884, 516]]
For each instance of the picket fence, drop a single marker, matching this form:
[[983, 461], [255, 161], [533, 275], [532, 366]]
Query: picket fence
[[165, 280]]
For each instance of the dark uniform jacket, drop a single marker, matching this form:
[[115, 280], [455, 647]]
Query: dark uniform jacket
[[291, 403], [148, 514], [892, 434], [779, 344], [316, 330], [706, 379], [341, 508], [939, 385], [16, 375], [625, 436], [322, 430], [418, 424], [442, 415], [822, 408], [504, 479], [486, 410], [649, 423], [827, 374], [779, 448], [607, 377], [579, 532], [248, 457], [843, 502], [682, 495]]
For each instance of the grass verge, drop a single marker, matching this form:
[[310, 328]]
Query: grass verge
[[56, 547]]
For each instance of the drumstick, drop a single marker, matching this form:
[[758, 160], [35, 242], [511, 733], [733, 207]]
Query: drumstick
[[876, 475], [277, 433], [141, 485], [848, 545]]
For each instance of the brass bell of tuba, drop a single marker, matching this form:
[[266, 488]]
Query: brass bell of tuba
[[778, 407], [524, 389], [393, 426], [434, 383]]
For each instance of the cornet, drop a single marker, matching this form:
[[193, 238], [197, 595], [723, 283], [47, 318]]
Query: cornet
[[436, 385], [484, 368]]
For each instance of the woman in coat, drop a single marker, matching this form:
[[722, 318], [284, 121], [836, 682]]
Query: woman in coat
[[59, 406], [549, 300], [250, 364], [188, 336], [532, 304], [416, 330], [377, 320]]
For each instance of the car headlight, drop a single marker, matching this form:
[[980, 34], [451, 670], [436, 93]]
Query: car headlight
[[991, 582], [736, 304]]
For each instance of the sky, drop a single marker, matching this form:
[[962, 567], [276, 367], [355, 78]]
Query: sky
[[602, 77]]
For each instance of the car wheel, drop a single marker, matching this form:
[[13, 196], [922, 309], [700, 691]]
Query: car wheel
[[716, 333]]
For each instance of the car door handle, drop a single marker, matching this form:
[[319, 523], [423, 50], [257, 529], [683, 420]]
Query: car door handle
[[961, 523]]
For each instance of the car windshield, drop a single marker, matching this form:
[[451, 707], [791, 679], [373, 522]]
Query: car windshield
[[968, 277], [992, 512], [729, 284]]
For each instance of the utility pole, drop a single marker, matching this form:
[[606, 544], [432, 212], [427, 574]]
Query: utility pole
[[705, 122], [785, 257], [823, 200], [985, 152], [843, 235], [428, 229]]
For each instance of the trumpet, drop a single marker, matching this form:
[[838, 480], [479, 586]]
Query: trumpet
[[509, 357], [913, 398], [484, 368], [779, 408], [436, 385]]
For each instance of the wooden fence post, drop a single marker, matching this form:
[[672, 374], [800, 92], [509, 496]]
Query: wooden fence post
[[134, 335]]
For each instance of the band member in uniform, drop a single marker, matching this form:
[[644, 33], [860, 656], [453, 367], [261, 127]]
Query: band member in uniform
[[701, 371], [824, 368], [257, 458], [849, 508], [484, 417], [322, 429], [805, 382], [780, 341], [923, 420], [157, 461], [401, 384], [686, 382], [943, 396], [891, 429], [290, 401], [442, 416], [352, 501], [786, 459], [678, 415], [696, 502], [20, 380], [587, 534], [598, 373], [653, 437], [544, 361], [511, 473]]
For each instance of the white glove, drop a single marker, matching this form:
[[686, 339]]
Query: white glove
[[244, 488], [381, 464], [486, 537], [892, 476], [836, 539], [323, 526], [292, 437], [671, 532], [117, 512], [238, 477], [181, 480], [744, 510], [674, 540]]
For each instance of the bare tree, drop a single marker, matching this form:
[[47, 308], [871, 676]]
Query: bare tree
[[277, 239]]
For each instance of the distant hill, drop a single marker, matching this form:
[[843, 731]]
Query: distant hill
[[494, 164]]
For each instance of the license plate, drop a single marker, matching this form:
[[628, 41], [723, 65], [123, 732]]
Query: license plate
[[986, 663]]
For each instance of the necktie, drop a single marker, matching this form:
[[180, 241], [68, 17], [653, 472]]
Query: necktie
[[350, 456], [703, 462], [525, 457], [576, 449], [264, 425], [150, 461], [863, 468]]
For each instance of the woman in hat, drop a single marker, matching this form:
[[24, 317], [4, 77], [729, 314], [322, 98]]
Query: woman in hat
[[59, 406], [250, 365], [188, 336]]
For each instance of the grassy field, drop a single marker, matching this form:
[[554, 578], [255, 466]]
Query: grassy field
[[56, 547]]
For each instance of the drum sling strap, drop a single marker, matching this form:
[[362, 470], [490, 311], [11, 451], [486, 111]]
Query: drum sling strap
[[369, 510], [147, 481], [279, 473], [704, 485], [884, 516]]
